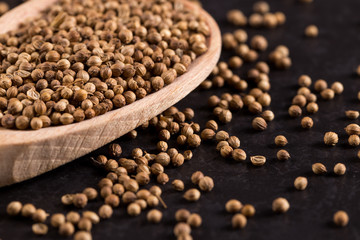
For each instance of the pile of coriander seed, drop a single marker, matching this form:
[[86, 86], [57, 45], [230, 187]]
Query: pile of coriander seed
[[80, 59], [134, 182]]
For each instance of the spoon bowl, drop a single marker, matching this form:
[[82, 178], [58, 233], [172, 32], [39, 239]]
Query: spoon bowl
[[26, 154]]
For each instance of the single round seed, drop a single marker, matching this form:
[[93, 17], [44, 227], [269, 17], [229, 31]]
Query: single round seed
[[73, 217], [182, 215], [154, 216], [319, 168], [238, 221], [280, 205], [327, 94], [304, 81], [39, 215], [28, 210], [181, 229], [268, 115], [233, 206], [248, 210], [259, 124], [134, 209], [192, 195], [351, 114], [282, 155], [300, 183], [85, 224], [331, 138], [238, 155], [39, 229], [105, 211], [14, 208], [178, 185], [66, 229], [258, 160], [82, 235], [281, 141], [354, 140], [196, 176], [57, 219], [337, 87], [311, 31], [194, 220], [352, 129], [339, 169], [206, 184], [80, 200], [295, 111], [307, 123], [341, 218]]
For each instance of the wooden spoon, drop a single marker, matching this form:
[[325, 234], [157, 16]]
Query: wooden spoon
[[26, 154]]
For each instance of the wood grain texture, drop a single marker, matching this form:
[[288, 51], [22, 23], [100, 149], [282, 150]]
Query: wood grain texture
[[26, 154]]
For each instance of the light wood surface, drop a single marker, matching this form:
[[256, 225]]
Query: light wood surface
[[26, 154]]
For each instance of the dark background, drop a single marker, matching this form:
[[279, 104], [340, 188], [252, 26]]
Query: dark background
[[332, 56]]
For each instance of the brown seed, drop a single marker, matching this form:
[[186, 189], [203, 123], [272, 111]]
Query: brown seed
[[281, 141], [66, 229], [85, 224], [194, 140], [339, 169], [268, 115], [39, 215], [105, 211], [238, 221], [134, 209], [90, 193], [283, 155], [311, 31], [258, 160], [259, 124], [248, 210], [337, 87], [39, 229], [295, 111], [206, 184], [238, 155], [178, 185], [304, 81], [194, 220], [341, 218], [57, 219], [196, 177], [280, 205], [226, 151], [327, 94], [80, 200], [320, 85], [67, 199], [354, 140], [14, 208], [94, 218], [300, 183], [82, 235], [233, 206], [351, 114], [154, 216], [319, 168], [331, 138], [28, 210], [207, 134], [352, 129], [192, 195], [181, 229], [73, 217]]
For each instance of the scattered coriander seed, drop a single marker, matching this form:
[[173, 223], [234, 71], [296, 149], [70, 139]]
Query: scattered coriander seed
[[39, 215], [105, 211], [112, 200], [307, 122], [238, 221], [192, 195], [73, 217], [238, 155], [331, 138], [226, 151], [352, 129], [182, 228], [85, 224], [115, 150], [67, 199], [248, 210], [154, 216], [82, 235], [337, 87], [282, 155], [211, 124], [134, 209], [207, 134], [351, 114], [320, 85], [206, 184], [152, 201], [234, 142], [300, 183], [194, 220], [90, 193], [39, 229], [233, 206], [178, 185], [28, 210], [57, 219], [196, 177], [194, 140], [14, 208], [66, 229], [339, 169], [259, 124], [268, 115], [80, 200], [327, 94], [280, 205], [304, 81], [182, 215], [94, 218], [295, 111], [319, 168], [311, 31], [222, 136], [258, 160], [281, 141], [354, 140], [341, 218]]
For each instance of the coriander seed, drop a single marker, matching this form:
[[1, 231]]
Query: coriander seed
[[28, 210], [196, 177], [82, 235], [351, 114], [248, 210], [57, 219], [311, 31], [307, 122], [331, 138], [281, 141], [178, 185], [80, 200], [105, 211], [233, 206], [300, 183], [238, 221], [268, 115], [182, 215], [352, 129], [194, 220], [258, 160], [39, 215], [339, 169], [226, 151], [192, 195], [206, 184], [181, 229], [341, 218], [134, 209], [154, 216], [14, 208], [39, 229], [73, 217], [280, 205], [319, 168], [295, 111], [282, 155], [259, 124], [238, 155], [354, 140]]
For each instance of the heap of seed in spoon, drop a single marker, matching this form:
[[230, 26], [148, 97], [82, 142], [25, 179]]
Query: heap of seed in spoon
[[130, 180], [81, 59]]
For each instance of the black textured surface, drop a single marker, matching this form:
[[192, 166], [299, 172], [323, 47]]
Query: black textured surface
[[332, 56]]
